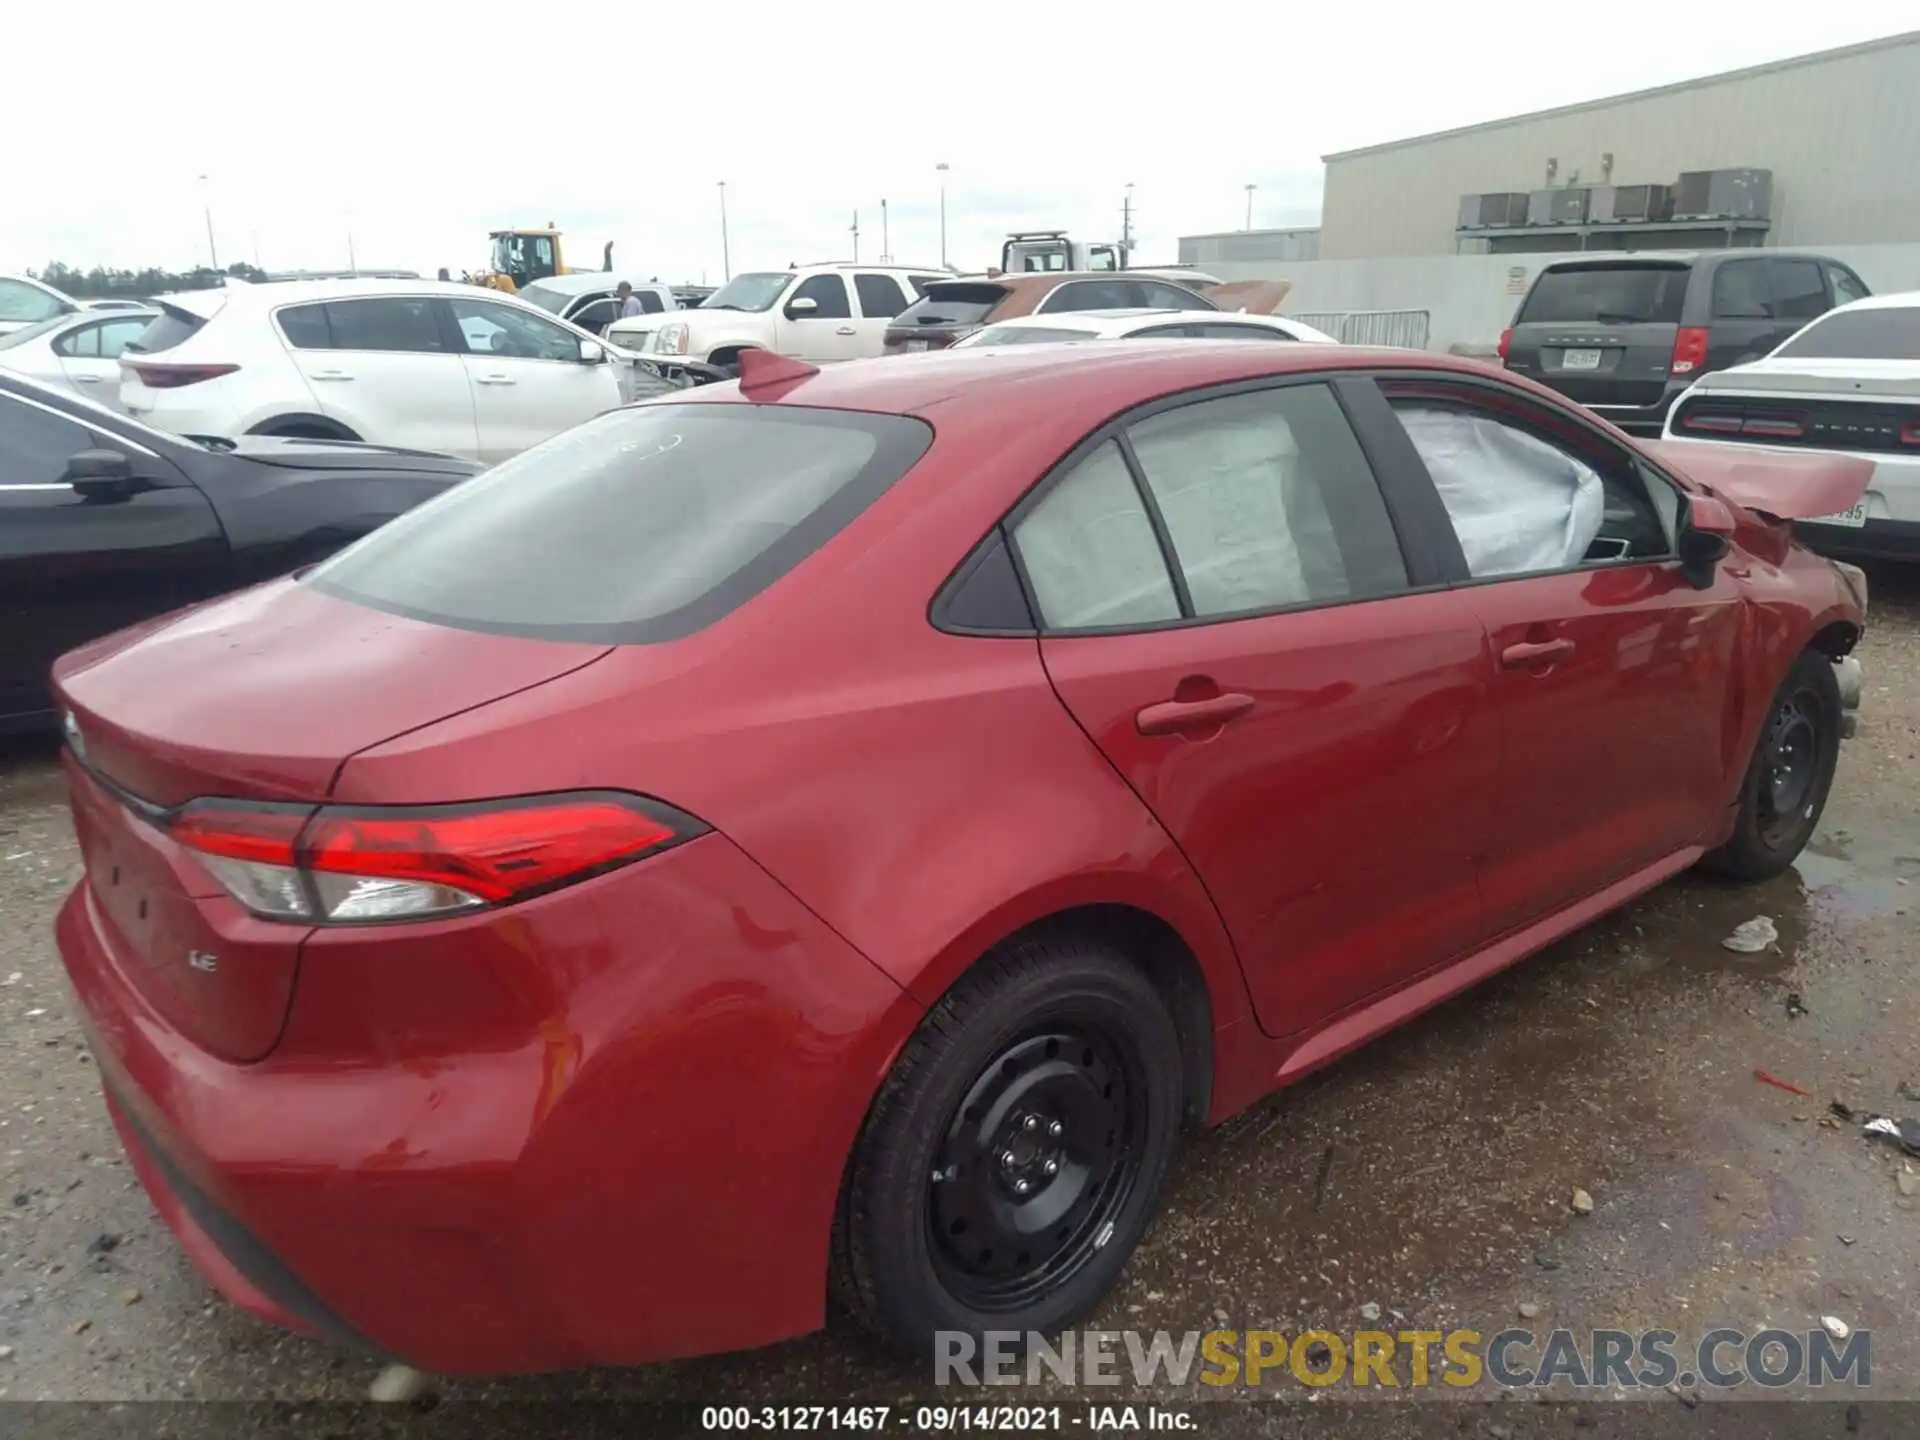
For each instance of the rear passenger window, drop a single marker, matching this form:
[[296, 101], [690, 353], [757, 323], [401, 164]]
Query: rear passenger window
[[1240, 332], [305, 327], [1091, 295], [388, 323], [1172, 297], [649, 302], [1740, 291], [1799, 291], [1090, 553], [880, 297], [1268, 502]]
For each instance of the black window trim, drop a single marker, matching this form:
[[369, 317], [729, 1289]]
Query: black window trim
[[1461, 577], [62, 344], [1398, 492]]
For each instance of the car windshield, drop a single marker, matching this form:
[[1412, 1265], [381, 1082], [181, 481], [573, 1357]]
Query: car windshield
[[1606, 295], [1027, 335], [755, 291], [548, 298], [1881, 333], [33, 332], [642, 525]]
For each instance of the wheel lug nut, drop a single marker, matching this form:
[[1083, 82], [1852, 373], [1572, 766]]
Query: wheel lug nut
[[1020, 1187], [1032, 1122], [1006, 1159], [1052, 1167], [1056, 1130]]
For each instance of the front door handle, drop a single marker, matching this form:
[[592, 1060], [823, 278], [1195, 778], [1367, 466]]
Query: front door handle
[[1173, 717], [844, 330], [331, 375], [1535, 652], [89, 379], [495, 379]]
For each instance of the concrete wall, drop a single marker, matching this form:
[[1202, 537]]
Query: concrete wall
[[1471, 298], [1840, 131], [1237, 246]]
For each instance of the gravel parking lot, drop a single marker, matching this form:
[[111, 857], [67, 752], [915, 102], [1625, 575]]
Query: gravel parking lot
[[1430, 1175]]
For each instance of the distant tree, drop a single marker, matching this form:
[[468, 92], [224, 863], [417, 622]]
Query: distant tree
[[101, 283]]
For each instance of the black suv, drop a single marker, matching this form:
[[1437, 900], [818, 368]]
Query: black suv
[[1624, 335]]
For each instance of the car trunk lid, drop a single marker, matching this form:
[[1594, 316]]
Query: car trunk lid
[[162, 714]]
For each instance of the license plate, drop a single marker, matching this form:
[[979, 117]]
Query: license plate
[[1580, 360], [916, 344], [1853, 517]]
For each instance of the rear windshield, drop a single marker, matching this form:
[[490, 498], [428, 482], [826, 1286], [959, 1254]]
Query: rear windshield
[[551, 301], [645, 524], [171, 326], [1027, 335], [951, 303], [1607, 295], [1878, 334]]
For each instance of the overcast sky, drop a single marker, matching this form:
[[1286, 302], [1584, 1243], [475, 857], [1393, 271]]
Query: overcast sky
[[415, 127]]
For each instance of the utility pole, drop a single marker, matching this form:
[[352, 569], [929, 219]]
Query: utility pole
[[206, 202], [1250, 190], [1126, 224], [352, 264], [941, 168], [726, 258], [886, 240], [856, 237]]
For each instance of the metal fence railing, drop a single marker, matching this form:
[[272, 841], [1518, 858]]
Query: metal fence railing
[[1407, 329]]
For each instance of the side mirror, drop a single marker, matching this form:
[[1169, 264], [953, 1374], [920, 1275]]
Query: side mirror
[[101, 475], [1705, 539], [592, 352], [802, 307]]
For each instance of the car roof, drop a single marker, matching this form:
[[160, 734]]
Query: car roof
[[282, 292], [1899, 300], [1119, 320], [999, 385], [1683, 257]]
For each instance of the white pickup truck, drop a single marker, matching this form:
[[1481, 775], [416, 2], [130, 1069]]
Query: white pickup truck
[[817, 313]]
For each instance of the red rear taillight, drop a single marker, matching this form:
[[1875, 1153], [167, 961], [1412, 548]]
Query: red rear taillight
[[1910, 433], [1783, 427], [160, 375], [353, 865], [1719, 424], [1689, 349], [1506, 344]]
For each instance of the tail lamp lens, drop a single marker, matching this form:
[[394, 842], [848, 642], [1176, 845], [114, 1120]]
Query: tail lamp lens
[[1506, 345], [362, 864], [161, 375], [1689, 349]]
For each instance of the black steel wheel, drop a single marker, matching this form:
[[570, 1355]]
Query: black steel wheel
[[1791, 773], [1013, 1157]]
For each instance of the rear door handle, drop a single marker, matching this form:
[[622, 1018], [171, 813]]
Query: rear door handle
[[331, 375], [1534, 652], [844, 330], [89, 379], [494, 379], [1172, 717]]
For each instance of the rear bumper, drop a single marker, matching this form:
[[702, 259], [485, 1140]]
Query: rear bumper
[[1876, 540], [637, 1160]]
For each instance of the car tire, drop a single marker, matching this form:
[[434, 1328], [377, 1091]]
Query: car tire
[[1016, 1151], [1790, 776]]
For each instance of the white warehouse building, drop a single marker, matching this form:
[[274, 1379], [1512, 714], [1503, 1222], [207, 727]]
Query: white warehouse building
[[1826, 150]]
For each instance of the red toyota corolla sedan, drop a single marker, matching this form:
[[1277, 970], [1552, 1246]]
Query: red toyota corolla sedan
[[837, 830]]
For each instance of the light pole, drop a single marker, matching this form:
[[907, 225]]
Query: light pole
[[942, 169], [886, 240], [1250, 190], [206, 202], [1126, 224], [726, 257]]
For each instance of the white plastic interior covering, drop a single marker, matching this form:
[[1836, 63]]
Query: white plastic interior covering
[[1518, 504]]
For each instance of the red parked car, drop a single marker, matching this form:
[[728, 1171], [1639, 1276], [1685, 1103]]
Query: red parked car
[[840, 828]]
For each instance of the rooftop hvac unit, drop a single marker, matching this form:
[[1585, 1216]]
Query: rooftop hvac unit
[[1629, 204], [1723, 195], [1493, 212], [1564, 206]]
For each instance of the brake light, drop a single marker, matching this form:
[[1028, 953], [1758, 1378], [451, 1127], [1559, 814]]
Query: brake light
[[1910, 433], [1506, 344], [1709, 420], [161, 375], [1783, 426], [1689, 349], [359, 864]]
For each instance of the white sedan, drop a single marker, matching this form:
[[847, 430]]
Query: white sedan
[[78, 353], [1847, 383], [1074, 325]]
